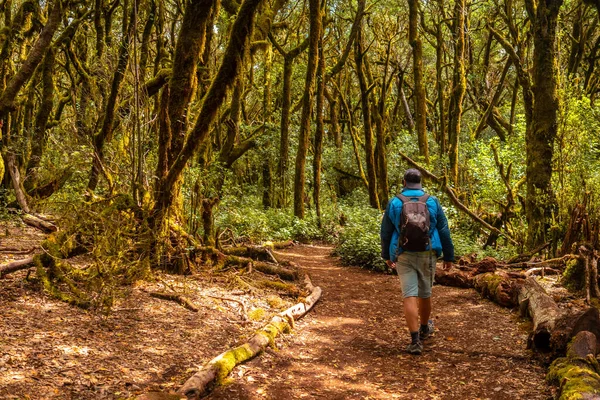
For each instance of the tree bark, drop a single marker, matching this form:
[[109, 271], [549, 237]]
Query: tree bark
[[535, 302], [286, 104], [367, 127], [319, 132], [419, 89], [303, 139], [540, 201], [459, 84]]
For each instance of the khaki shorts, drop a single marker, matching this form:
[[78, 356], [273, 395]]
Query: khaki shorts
[[416, 271]]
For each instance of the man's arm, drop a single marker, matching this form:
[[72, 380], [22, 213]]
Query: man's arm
[[444, 232], [387, 230]]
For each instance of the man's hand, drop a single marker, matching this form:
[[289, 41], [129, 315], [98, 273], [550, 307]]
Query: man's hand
[[390, 264], [447, 265]]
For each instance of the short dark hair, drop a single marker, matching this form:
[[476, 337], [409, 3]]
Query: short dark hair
[[412, 178]]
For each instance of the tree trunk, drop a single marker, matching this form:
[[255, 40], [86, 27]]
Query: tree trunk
[[459, 84], [577, 374], [319, 132], [367, 127], [40, 137], [540, 201], [106, 131], [233, 60], [419, 90], [303, 139]]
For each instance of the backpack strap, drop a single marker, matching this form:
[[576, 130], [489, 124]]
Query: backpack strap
[[421, 199]]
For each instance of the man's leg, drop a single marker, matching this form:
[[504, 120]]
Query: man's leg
[[424, 310], [411, 313], [409, 281]]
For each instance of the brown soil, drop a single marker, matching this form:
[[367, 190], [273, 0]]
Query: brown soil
[[50, 350], [351, 346]]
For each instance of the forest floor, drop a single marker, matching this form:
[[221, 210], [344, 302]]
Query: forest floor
[[350, 346]]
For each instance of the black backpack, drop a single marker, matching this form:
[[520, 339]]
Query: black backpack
[[414, 223]]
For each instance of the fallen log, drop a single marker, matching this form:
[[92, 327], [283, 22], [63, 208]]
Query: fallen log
[[219, 367], [570, 324], [577, 374], [553, 262], [16, 266], [499, 287], [453, 277], [212, 256], [255, 252], [463, 275], [536, 303], [38, 223]]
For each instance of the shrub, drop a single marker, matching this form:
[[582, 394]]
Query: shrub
[[359, 243]]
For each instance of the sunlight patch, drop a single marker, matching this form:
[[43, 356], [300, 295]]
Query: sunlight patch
[[70, 350]]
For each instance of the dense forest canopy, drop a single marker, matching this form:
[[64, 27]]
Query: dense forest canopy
[[185, 112]]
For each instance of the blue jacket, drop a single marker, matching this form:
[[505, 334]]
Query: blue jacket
[[439, 232]]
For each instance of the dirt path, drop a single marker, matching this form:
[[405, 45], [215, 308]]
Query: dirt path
[[351, 346]]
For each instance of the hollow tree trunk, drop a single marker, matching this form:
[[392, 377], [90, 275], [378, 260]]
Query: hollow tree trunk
[[542, 309]]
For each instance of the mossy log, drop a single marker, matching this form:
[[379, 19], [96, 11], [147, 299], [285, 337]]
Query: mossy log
[[537, 304], [282, 245], [255, 252], [216, 370], [212, 256], [14, 266], [569, 325], [498, 287], [182, 300], [463, 275], [577, 374], [39, 223]]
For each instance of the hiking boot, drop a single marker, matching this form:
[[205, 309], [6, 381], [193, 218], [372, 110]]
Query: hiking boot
[[415, 348], [425, 334]]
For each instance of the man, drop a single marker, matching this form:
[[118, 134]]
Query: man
[[416, 269]]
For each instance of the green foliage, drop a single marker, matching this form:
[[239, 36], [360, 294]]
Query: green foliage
[[359, 243], [247, 221]]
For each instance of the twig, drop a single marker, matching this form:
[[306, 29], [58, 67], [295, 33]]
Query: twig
[[183, 301], [244, 312]]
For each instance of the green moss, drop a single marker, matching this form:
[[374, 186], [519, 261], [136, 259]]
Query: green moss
[[256, 314], [288, 288], [487, 284], [573, 278], [575, 377], [275, 302], [230, 359]]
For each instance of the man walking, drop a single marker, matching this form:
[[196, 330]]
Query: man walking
[[414, 232]]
